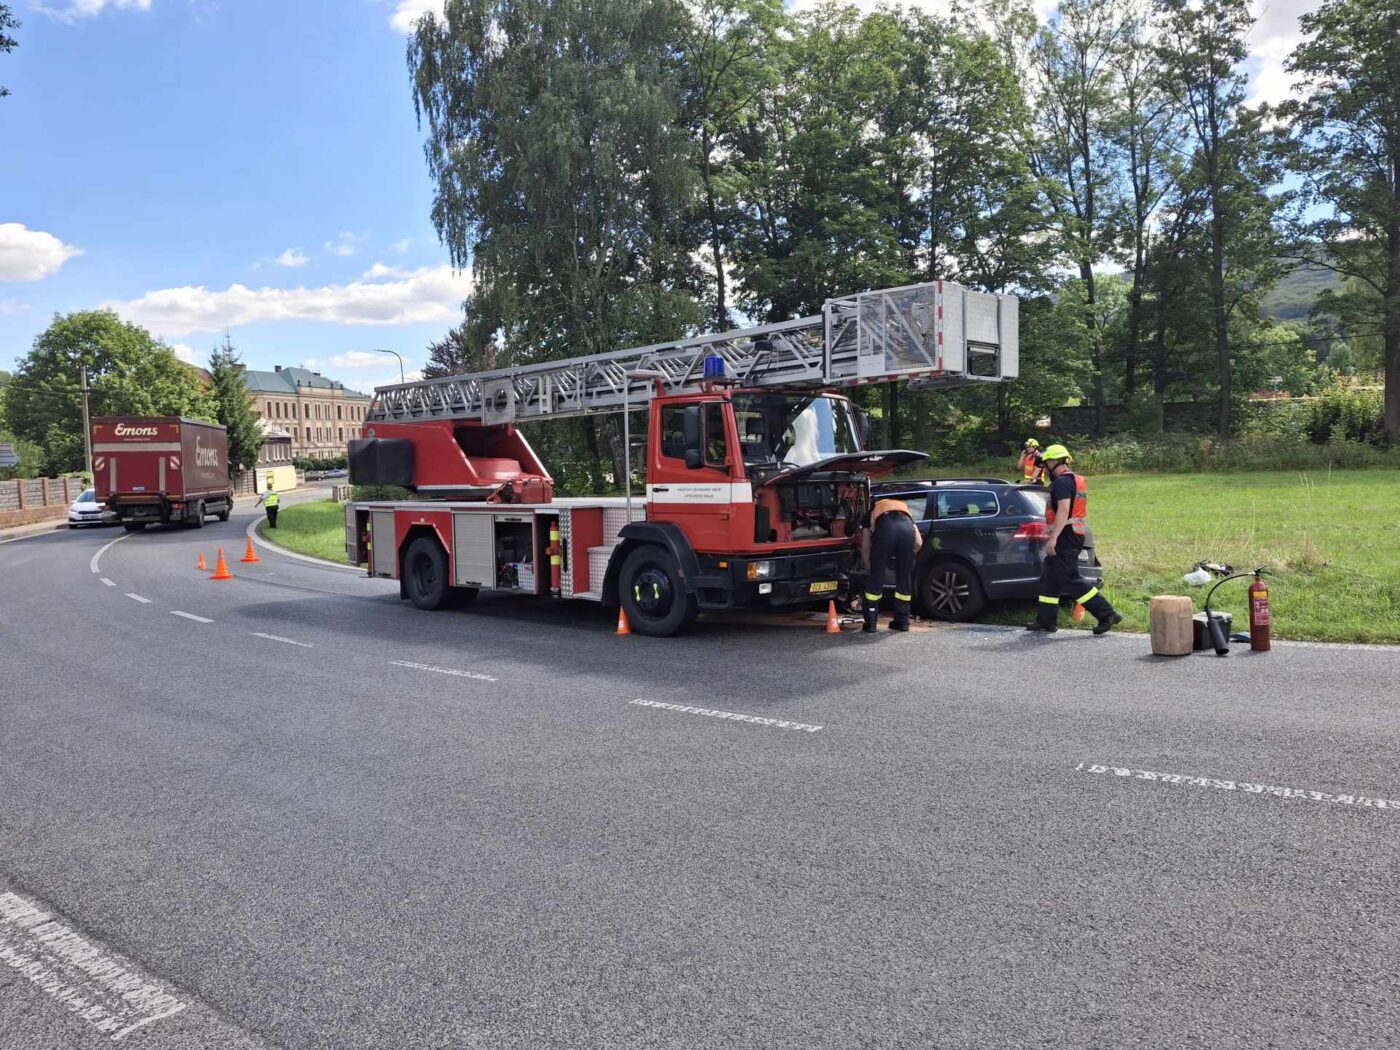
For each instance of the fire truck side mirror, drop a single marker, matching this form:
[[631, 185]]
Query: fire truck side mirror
[[691, 436], [862, 424]]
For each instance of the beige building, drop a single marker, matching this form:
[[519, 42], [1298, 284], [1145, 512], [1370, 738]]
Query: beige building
[[320, 414]]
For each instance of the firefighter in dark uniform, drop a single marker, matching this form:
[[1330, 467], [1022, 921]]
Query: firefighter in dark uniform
[[1066, 515], [893, 538]]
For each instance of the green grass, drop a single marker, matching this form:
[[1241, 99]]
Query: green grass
[[316, 529], [1330, 538]]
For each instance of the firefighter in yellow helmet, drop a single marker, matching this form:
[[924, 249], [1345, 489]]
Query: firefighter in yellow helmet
[[1066, 514], [1029, 464]]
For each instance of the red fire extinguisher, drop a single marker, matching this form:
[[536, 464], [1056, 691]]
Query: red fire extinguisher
[[1259, 613]]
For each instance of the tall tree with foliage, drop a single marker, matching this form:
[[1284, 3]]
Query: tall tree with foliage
[[1347, 121], [130, 373], [8, 23], [233, 406]]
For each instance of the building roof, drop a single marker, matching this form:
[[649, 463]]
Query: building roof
[[291, 380], [272, 432]]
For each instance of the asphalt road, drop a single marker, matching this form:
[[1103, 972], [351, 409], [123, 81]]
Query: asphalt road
[[315, 817]]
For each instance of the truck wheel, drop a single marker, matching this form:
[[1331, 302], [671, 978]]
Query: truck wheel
[[652, 594], [223, 514], [425, 573], [133, 526], [950, 590], [197, 522]]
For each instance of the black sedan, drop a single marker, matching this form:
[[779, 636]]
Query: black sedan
[[983, 541]]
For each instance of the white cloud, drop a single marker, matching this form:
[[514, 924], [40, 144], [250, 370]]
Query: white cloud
[[76, 9], [190, 355], [427, 295], [292, 257], [367, 359], [345, 243], [379, 271], [30, 255], [403, 246], [13, 308], [407, 12], [1275, 35]]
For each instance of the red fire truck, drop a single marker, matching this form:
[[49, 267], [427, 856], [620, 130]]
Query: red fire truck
[[150, 470], [757, 476]]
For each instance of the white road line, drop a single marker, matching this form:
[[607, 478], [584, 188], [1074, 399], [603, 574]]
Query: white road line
[[732, 716], [268, 545], [138, 598], [444, 670], [279, 638], [106, 582], [1303, 794], [190, 616], [101, 987], [104, 549]]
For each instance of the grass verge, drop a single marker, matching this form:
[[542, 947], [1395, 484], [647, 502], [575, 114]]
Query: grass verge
[[316, 529], [1326, 536]]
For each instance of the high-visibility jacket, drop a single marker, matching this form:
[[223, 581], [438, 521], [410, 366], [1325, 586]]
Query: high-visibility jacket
[[884, 506], [1030, 466], [271, 499], [1078, 510]]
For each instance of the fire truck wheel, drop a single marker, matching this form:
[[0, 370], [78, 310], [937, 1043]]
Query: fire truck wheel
[[425, 573], [651, 592]]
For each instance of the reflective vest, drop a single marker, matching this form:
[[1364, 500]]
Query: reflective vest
[[1078, 510], [884, 506], [271, 499], [1029, 467]]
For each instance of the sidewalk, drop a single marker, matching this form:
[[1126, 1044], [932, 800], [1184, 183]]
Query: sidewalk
[[20, 532]]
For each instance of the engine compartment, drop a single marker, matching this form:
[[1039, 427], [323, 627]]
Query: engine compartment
[[815, 507]]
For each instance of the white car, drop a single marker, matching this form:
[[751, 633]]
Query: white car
[[85, 510]]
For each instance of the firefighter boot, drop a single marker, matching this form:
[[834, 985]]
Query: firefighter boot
[[1102, 611], [901, 615], [872, 617], [1046, 615]]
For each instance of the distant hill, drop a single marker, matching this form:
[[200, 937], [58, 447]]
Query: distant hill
[[1294, 296]]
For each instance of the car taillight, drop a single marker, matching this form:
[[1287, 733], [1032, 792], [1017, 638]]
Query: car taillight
[[1033, 530]]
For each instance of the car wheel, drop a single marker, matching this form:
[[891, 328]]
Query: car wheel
[[652, 593], [71, 525], [951, 590], [425, 573]]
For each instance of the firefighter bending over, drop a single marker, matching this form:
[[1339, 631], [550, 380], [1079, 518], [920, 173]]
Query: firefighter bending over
[[893, 539], [1066, 513]]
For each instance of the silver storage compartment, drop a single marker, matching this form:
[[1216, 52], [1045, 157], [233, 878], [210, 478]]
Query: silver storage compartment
[[383, 555], [472, 548]]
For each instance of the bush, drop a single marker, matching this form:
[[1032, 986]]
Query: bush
[[328, 463], [380, 493], [1347, 411]]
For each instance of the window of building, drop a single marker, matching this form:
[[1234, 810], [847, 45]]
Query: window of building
[[308, 435]]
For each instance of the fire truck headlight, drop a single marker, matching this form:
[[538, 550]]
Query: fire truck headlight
[[760, 570]]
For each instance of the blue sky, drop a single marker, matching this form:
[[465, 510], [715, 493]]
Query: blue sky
[[252, 165]]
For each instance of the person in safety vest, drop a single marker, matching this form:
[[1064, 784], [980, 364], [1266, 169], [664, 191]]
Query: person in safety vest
[[891, 538], [1066, 514], [1029, 464], [269, 501]]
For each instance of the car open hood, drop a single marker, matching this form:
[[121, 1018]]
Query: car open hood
[[874, 463]]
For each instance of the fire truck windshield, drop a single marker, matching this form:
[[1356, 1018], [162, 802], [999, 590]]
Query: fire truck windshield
[[793, 430]]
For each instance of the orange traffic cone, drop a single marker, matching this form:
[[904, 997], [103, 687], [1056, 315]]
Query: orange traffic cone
[[1078, 613], [833, 625], [250, 555], [623, 627], [221, 568], [201, 566]]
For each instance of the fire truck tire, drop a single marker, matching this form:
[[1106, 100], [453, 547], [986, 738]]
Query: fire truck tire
[[425, 573], [650, 587]]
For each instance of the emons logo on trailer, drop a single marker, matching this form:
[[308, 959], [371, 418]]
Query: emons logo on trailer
[[121, 430]]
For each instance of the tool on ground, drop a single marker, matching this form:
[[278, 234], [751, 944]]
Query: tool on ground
[[250, 555], [1218, 624], [221, 568], [201, 566]]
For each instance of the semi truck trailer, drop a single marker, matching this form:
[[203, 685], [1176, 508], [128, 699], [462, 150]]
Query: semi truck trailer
[[162, 469]]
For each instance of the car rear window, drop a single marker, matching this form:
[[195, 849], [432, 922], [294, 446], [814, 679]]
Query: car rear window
[[1030, 501], [89, 496], [967, 503]]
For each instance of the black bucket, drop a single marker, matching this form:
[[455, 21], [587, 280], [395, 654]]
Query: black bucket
[[1200, 633]]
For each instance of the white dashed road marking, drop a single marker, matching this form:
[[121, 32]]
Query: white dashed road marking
[[102, 988], [444, 670], [107, 583], [279, 638], [190, 616], [138, 598], [1246, 787], [732, 716]]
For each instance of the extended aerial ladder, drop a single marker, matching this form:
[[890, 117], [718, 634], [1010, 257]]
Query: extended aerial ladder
[[757, 475]]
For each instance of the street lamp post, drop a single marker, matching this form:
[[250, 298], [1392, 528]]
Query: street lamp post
[[396, 354], [627, 377]]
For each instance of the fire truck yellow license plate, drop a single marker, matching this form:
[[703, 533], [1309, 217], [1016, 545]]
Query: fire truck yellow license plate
[[823, 587]]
